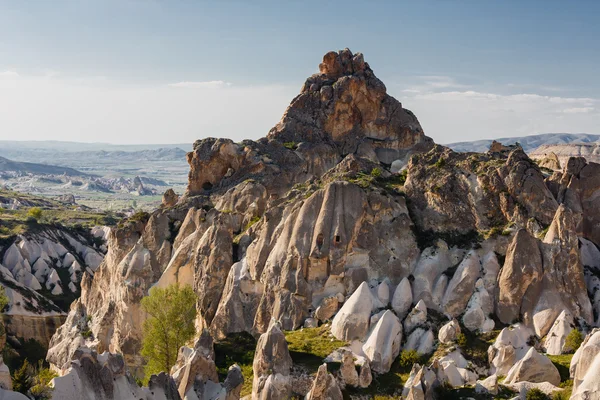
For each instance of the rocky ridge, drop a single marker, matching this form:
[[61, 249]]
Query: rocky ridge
[[346, 212]]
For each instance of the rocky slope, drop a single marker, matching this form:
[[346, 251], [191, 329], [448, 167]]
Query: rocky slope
[[529, 143], [347, 214], [562, 153]]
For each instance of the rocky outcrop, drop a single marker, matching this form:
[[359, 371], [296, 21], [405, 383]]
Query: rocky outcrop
[[352, 321], [383, 344], [533, 367], [325, 386], [585, 365], [272, 364], [449, 332]]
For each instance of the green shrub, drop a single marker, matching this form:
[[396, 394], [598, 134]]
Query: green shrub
[[21, 378], [291, 145], [35, 212], [574, 340], [440, 163], [170, 325], [461, 340], [3, 299], [376, 172], [536, 394], [408, 358]]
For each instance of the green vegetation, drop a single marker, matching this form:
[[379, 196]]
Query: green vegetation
[[440, 163], [574, 340], [562, 363], [376, 173], [22, 379], [170, 325], [43, 213], [536, 394], [448, 393], [3, 299], [409, 357], [309, 346], [252, 221], [236, 348], [475, 346], [35, 212], [290, 145], [41, 389]]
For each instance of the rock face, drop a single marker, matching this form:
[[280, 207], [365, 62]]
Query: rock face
[[584, 368], [315, 223], [272, 364], [324, 387]]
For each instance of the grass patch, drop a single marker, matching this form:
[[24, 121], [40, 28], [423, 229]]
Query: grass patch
[[309, 346], [236, 348], [562, 363]]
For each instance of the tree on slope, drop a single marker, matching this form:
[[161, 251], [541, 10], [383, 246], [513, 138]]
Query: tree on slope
[[170, 325]]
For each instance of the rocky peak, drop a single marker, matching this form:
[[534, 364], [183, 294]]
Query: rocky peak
[[347, 104], [342, 110]]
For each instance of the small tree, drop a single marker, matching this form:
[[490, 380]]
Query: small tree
[[21, 379], [573, 340], [170, 325], [35, 212]]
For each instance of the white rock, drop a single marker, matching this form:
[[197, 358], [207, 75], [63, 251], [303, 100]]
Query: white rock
[[461, 286], [383, 293], [417, 317], [383, 344], [402, 299], [420, 340], [534, 367], [352, 321], [487, 385], [449, 332], [555, 339], [68, 260]]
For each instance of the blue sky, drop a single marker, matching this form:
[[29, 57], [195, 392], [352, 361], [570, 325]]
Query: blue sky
[[132, 71]]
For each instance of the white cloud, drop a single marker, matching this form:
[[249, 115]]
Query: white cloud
[[578, 110], [450, 116], [201, 85], [8, 74]]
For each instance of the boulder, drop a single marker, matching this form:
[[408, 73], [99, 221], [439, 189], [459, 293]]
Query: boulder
[[402, 299], [534, 367], [461, 286], [449, 332], [417, 317], [348, 370], [325, 386], [327, 308], [383, 344], [487, 385], [554, 343], [170, 198], [272, 364], [352, 321]]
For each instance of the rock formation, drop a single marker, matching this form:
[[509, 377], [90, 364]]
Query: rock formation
[[346, 212]]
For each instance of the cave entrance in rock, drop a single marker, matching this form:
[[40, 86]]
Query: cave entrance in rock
[[207, 185]]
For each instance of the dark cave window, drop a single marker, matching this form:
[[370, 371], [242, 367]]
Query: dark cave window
[[320, 240], [337, 239], [207, 186]]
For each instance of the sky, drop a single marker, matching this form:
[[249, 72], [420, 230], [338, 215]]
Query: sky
[[149, 71]]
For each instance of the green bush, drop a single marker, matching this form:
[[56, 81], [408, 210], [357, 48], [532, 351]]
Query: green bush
[[3, 299], [408, 358], [536, 394], [461, 340], [574, 340], [21, 378], [35, 212], [376, 172]]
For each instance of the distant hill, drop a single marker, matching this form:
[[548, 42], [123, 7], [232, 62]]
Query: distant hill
[[78, 146], [529, 143], [7, 165]]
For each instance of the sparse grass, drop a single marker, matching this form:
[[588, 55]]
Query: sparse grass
[[562, 363], [252, 221], [290, 145], [237, 348], [309, 346]]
